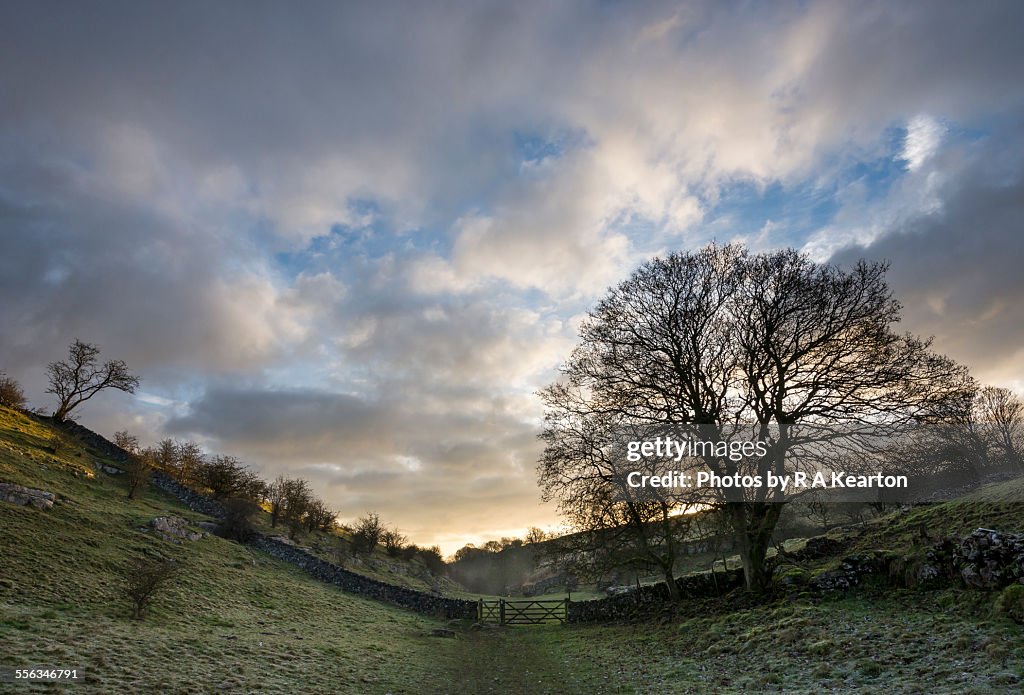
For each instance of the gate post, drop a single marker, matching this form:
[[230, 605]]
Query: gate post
[[480, 610], [502, 611]]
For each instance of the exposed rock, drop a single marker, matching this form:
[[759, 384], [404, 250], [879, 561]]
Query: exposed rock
[[442, 632], [173, 528], [111, 470], [831, 580], [20, 495], [821, 546]]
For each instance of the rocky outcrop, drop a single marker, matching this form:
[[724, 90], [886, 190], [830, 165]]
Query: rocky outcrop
[[819, 547], [851, 571], [21, 496], [174, 529], [985, 559]]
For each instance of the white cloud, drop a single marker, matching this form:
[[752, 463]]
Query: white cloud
[[924, 135]]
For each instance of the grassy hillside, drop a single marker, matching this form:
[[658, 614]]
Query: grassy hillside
[[234, 621], [998, 506]]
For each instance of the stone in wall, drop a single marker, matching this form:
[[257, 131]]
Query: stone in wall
[[989, 559]]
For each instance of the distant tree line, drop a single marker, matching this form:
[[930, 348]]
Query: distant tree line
[[290, 502], [498, 567], [226, 479]]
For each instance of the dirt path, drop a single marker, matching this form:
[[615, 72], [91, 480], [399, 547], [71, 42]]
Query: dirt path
[[509, 660]]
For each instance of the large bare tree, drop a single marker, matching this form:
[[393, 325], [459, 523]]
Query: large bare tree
[[81, 376], [726, 344]]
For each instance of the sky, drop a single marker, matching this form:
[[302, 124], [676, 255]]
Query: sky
[[350, 241]]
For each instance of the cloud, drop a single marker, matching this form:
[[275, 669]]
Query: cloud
[[922, 140], [956, 266], [357, 454], [347, 238]]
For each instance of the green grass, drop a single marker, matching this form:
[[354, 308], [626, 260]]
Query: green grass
[[237, 621], [997, 506], [902, 643], [234, 621]]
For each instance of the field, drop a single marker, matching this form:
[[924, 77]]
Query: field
[[237, 621]]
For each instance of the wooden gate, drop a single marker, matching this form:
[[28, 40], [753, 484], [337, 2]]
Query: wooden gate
[[523, 612]]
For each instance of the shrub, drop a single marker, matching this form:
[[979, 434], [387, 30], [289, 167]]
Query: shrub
[[226, 476], [1011, 602], [393, 542], [11, 394], [144, 579], [237, 522], [367, 534], [432, 559]]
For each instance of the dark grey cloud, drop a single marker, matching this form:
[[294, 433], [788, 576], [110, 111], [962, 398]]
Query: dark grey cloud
[[956, 266]]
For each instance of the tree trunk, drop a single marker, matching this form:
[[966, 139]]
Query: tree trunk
[[754, 525], [673, 588]]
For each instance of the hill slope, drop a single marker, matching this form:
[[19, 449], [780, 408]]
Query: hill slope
[[233, 621]]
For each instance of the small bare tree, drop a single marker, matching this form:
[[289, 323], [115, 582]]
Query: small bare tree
[[128, 442], [190, 461], [290, 499], [535, 535], [367, 534], [319, 517], [80, 377], [139, 468], [226, 476], [1003, 412], [819, 508], [167, 456], [144, 579]]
